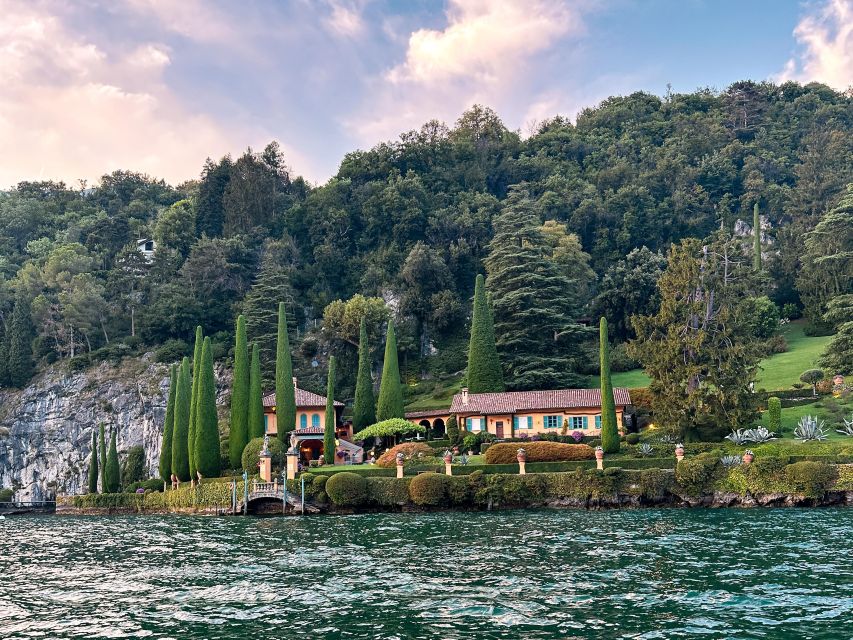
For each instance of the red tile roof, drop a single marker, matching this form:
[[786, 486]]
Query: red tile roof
[[303, 399], [516, 401], [428, 414]]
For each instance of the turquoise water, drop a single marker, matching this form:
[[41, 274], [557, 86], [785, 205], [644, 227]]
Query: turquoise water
[[515, 574]]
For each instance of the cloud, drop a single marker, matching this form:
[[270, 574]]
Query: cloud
[[481, 55], [826, 36], [345, 19]]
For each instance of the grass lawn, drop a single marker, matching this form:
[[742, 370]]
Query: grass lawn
[[783, 369], [828, 409]]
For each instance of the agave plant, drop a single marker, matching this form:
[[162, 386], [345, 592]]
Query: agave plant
[[848, 427], [761, 434], [738, 436], [730, 461], [667, 438], [810, 428], [645, 449]]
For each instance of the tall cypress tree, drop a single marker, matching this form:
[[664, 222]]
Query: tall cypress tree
[[484, 366], [285, 392], [20, 357], [256, 395], [609, 428], [165, 466], [112, 473], [180, 432], [329, 426], [390, 404], [239, 434], [4, 356], [364, 410], [206, 443], [102, 456], [194, 397], [756, 238], [93, 465]]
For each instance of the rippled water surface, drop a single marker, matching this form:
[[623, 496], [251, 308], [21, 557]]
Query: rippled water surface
[[514, 574]]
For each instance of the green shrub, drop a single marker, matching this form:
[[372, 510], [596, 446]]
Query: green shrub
[[6, 495], [318, 488], [812, 479], [388, 492], [347, 489], [696, 475], [505, 452], [172, 351], [252, 451], [429, 489], [774, 415], [153, 484], [440, 445], [452, 430], [655, 483], [485, 447], [632, 438], [133, 470]]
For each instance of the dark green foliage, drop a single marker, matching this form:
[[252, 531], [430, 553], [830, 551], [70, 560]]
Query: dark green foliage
[[112, 473], [387, 492], [210, 214], [206, 443], [762, 317], [364, 411], [180, 432], [774, 415], [429, 489], [484, 367], [632, 438], [609, 428], [812, 377], [390, 403], [347, 489], [452, 429], [93, 465], [838, 356], [329, 423], [813, 479], [194, 399], [239, 434], [285, 393], [102, 456], [756, 238], [19, 366], [165, 465], [695, 474], [6, 495], [133, 468], [250, 456], [256, 396]]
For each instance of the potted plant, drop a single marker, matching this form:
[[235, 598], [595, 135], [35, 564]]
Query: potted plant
[[448, 457], [521, 455], [599, 453], [748, 456], [679, 451]]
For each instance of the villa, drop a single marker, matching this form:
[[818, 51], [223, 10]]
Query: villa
[[513, 413]]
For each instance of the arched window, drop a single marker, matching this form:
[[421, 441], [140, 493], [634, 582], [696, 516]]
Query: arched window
[[303, 421], [315, 420]]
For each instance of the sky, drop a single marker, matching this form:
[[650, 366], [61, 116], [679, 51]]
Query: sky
[[91, 86]]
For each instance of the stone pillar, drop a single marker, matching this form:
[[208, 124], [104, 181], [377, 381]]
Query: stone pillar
[[292, 464], [599, 458], [265, 467], [679, 452], [521, 456], [399, 465], [448, 459]]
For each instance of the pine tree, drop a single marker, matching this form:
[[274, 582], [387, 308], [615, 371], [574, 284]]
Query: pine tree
[[390, 404], [364, 410], [180, 432], [20, 356], [838, 355], [756, 238], [285, 393], [329, 426], [194, 396], [239, 434], [256, 396], [112, 474], [102, 456], [206, 443], [165, 466], [93, 465], [609, 428], [484, 366]]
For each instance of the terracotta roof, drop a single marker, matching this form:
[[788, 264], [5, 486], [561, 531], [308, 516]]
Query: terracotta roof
[[303, 399], [516, 401], [427, 414]]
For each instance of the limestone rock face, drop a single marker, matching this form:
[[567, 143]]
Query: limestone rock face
[[46, 428]]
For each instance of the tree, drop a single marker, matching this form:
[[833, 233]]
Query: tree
[[567, 253], [452, 430], [112, 474], [194, 399], [93, 465], [285, 392], [756, 239], [774, 415], [165, 466], [698, 349], [364, 409], [180, 432], [484, 365], [175, 229], [342, 320], [239, 434], [609, 428], [838, 356], [329, 424], [256, 396], [812, 377], [210, 214], [20, 363], [102, 456], [537, 336], [133, 467], [206, 443], [390, 403]]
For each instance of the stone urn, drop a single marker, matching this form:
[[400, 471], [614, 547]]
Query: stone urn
[[448, 457], [748, 456], [599, 458], [679, 452], [400, 460], [521, 455]]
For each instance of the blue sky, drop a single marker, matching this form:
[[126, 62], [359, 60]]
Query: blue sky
[[155, 85]]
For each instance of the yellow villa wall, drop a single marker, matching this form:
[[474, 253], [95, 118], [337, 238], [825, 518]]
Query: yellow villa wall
[[272, 425], [539, 421]]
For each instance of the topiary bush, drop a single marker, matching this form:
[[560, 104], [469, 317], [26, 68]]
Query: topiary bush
[[505, 452], [632, 438], [812, 479], [346, 489], [408, 449], [388, 492], [251, 454], [429, 489], [696, 475]]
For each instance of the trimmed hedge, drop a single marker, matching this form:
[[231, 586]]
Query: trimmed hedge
[[347, 489], [388, 492], [429, 489], [441, 445], [408, 449], [540, 451]]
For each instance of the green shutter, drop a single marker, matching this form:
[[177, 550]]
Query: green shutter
[[514, 423], [585, 422]]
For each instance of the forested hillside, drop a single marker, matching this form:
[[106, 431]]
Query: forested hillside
[[410, 223]]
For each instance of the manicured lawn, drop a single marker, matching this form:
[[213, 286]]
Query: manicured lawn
[[430, 394], [630, 379], [791, 416], [783, 369]]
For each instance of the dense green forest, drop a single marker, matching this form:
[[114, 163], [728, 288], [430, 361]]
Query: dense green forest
[[404, 228]]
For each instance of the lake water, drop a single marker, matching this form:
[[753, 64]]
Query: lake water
[[513, 574]]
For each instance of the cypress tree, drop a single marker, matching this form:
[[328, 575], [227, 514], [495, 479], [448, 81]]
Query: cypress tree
[[285, 393], [112, 473], [93, 465], [609, 428], [206, 443], [364, 410], [774, 415], [756, 239], [20, 357], [239, 434], [390, 404], [484, 366], [102, 456], [256, 396], [168, 427], [4, 356], [180, 432], [329, 426], [199, 339]]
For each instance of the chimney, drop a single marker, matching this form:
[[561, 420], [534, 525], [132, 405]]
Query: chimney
[[465, 395]]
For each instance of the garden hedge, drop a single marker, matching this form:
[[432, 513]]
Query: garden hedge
[[346, 489], [429, 489], [541, 451], [408, 449]]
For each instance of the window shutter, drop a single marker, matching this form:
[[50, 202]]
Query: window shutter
[[586, 422], [514, 423]]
